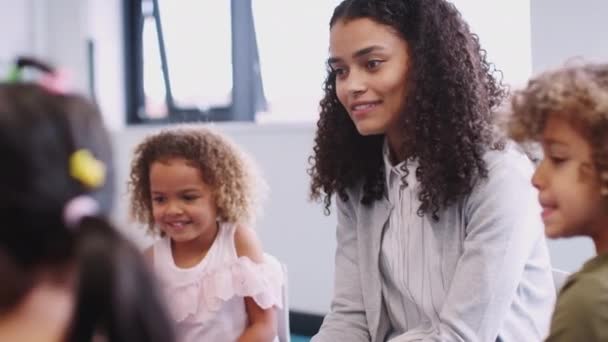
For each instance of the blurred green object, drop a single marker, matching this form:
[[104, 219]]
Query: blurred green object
[[14, 75]]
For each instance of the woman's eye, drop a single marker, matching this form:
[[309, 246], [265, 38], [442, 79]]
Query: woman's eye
[[373, 64], [339, 71], [158, 200]]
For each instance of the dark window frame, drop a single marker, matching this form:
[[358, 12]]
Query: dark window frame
[[247, 89]]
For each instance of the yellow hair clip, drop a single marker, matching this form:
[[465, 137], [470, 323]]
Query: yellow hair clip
[[86, 169]]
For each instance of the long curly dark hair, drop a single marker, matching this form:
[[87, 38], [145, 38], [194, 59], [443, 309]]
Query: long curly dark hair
[[448, 119]]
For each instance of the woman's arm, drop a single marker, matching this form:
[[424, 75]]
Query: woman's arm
[[346, 321], [149, 255], [262, 324]]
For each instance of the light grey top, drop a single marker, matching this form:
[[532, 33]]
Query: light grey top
[[480, 273]]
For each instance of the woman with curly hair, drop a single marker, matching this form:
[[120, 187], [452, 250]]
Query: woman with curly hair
[[566, 110], [198, 191], [439, 237]]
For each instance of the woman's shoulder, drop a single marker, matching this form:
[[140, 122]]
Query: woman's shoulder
[[512, 155], [148, 254], [509, 166], [509, 171], [353, 193]]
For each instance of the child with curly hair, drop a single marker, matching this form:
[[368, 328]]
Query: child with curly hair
[[566, 110], [438, 237], [198, 191]]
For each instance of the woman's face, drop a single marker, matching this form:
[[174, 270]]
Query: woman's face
[[371, 63]]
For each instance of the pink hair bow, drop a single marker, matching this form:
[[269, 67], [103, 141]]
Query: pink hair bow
[[79, 207], [56, 82]]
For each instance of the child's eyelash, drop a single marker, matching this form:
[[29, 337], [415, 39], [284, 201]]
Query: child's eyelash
[[558, 160]]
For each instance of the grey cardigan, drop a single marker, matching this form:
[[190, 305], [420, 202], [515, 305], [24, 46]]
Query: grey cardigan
[[493, 256]]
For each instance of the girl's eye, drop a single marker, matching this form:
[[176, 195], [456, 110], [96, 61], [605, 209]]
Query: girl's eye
[[190, 197]]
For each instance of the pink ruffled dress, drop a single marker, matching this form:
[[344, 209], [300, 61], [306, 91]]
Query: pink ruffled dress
[[207, 300]]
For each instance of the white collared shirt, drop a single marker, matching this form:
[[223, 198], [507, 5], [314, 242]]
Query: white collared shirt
[[413, 287]]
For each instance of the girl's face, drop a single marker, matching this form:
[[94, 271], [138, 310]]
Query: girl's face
[[568, 183], [183, 205], [371, 62]]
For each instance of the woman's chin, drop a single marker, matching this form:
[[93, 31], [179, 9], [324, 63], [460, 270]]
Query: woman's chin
[[368, 128]]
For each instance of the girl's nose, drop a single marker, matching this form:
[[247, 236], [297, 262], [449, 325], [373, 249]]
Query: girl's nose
[[173, 208]]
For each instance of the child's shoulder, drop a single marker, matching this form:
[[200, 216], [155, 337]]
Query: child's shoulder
[[586, 290], [247, 243], [581, 312], [156, 250], [592, 276]]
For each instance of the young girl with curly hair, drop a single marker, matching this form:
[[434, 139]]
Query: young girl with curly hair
[[438, 237], [198, 191], [566, 110]]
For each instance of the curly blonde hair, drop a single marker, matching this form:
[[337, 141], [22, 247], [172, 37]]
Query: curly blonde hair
[[575, 93], [232, 175]]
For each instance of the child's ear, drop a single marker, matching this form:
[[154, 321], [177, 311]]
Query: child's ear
[[587, 173]]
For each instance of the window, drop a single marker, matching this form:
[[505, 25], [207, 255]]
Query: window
[[215, 60], [191, 60], [198, 65], [293, 41]]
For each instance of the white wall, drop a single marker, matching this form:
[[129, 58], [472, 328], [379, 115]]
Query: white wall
[[105, 27], [58, 31], [294, 229], [503, 27], [565, 29], [15, 33]]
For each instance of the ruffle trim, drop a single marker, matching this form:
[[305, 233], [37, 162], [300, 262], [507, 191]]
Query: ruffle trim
[[201, 299]]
